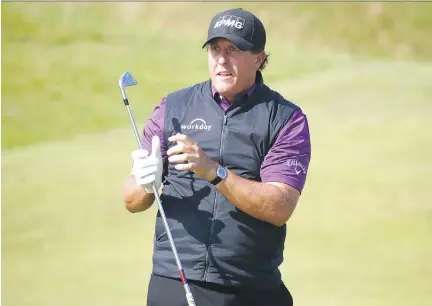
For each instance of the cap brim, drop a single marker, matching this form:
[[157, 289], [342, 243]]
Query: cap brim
[[239, 42]]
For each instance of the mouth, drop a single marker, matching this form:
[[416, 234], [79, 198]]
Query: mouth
[[224, 74]]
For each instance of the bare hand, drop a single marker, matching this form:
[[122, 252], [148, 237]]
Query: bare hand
[[187, 150]]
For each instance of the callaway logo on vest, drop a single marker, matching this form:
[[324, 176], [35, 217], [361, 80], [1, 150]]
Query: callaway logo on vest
[[197, 124], [230, 21]]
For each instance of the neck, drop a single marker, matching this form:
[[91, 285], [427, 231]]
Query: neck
[[231, 96]]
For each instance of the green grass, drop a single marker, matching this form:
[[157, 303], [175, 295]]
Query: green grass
[[361, 232], [63, 60]]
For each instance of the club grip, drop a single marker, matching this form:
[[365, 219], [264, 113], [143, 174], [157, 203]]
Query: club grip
[[190, 299]]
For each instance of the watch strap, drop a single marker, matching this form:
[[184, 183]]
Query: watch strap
[[216, 180]]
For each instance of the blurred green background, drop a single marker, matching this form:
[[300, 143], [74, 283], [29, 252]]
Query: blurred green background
[[362, 72]]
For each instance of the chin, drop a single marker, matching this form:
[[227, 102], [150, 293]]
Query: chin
[[223, 88]]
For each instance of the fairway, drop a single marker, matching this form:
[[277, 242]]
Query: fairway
[[359, 236]]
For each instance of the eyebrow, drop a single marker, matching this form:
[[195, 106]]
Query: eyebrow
[[213, 44]]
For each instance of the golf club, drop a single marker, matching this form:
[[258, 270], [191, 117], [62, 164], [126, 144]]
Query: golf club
[[127, 79]]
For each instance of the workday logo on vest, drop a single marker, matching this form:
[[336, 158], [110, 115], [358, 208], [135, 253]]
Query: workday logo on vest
[[230, 21], [197, 124]]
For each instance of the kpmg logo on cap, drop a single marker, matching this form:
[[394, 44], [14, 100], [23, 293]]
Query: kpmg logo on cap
[[230, 21]]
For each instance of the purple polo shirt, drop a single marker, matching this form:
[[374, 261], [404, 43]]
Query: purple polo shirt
[[286, 162]]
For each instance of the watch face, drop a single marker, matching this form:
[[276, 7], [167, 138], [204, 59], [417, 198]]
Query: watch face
[[222, 172]]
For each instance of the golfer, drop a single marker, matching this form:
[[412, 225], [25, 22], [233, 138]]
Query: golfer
[[233, 156]]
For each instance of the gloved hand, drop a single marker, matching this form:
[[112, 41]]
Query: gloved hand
[[148, 168]]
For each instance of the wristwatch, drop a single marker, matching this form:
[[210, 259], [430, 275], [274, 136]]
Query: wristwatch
[[221, 174]]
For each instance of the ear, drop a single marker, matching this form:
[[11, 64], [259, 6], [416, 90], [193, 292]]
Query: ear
[[259, 59]]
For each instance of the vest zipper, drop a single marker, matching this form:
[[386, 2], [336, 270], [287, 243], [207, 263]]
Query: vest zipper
[[215, 200]]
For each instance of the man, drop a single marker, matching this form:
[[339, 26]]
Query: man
[[233, 156]]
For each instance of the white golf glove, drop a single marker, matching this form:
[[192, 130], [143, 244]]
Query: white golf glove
[[148, 168]]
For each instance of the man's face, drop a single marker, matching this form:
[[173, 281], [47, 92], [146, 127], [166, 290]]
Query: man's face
[[231, 70]]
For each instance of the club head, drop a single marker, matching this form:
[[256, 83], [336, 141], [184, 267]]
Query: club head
[[127, 79]]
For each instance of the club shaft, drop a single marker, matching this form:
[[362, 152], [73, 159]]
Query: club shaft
[[134, 126], [189, 296]]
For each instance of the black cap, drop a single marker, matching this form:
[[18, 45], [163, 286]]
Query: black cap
[[241, 27]]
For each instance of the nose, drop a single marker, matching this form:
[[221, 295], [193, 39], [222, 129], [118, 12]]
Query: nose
[[222, 59]]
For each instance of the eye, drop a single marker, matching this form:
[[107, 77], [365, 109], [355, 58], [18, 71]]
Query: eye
[[232, 49], [214, 48]]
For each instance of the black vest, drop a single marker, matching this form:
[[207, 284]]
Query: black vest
[[216, 241]]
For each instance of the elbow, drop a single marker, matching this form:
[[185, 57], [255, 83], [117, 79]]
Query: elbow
[[283, 205], [280, 220], [129, 202], [136, 205], [284, 214], [134, 197], [130, 207]]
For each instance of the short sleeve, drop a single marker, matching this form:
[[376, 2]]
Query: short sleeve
[[155, 126], [289, 157]]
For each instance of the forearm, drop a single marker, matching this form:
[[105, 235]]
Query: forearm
[[263, 201], [134, 197], [271, 202]]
